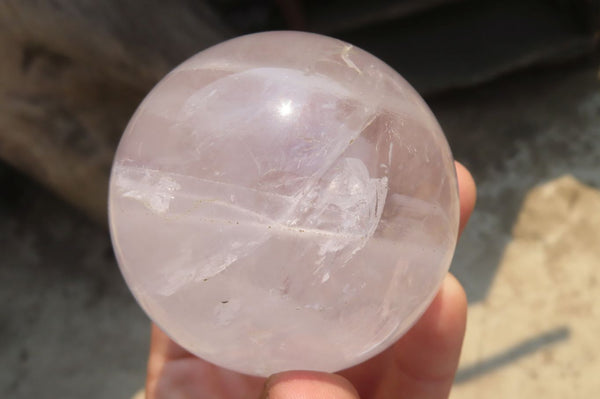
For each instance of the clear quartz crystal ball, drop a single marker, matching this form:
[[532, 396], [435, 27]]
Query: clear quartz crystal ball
[[281, 201]]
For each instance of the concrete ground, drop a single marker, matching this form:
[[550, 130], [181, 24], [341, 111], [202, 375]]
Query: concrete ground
[[529, 258]]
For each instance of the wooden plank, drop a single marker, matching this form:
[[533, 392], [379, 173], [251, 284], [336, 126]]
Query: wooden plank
[[337, 16]]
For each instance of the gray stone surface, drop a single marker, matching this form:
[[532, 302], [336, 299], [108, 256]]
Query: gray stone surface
[[68, 326], [514, 134], [70, 329]]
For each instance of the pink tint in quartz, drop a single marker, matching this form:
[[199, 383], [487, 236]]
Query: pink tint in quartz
[[283, 201]]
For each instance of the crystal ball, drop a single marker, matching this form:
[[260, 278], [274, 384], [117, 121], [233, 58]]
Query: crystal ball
[[283, 200]]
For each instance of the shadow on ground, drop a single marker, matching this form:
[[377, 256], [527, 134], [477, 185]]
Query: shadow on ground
[[510, 355]]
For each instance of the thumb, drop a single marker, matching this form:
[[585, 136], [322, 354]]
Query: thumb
[[308, 385]]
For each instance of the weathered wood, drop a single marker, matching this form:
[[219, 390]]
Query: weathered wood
[[71, 74], [73, 71]]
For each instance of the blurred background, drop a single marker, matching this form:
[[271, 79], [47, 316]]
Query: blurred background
[[514, 83]]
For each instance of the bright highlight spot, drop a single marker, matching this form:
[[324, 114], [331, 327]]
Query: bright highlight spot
[[285, 108]]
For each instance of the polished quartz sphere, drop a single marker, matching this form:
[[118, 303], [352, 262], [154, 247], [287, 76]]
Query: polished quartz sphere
[[282, 201]]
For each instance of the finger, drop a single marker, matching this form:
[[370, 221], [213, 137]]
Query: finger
[[162, 350], [175, 372], [467, 193], [426, 358], [163, 347], [308, 384]]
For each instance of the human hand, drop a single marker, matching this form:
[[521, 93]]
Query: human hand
[[420, 365]]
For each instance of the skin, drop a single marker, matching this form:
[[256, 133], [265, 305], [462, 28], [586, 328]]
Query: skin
[[421, 365]]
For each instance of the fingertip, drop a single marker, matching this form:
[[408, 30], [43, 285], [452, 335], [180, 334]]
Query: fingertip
[[431, 349], [308, 384], [467, 192], [443, 324], [455, 294]]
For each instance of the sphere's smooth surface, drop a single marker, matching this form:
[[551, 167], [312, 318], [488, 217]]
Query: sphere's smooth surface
[[283, 201]]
